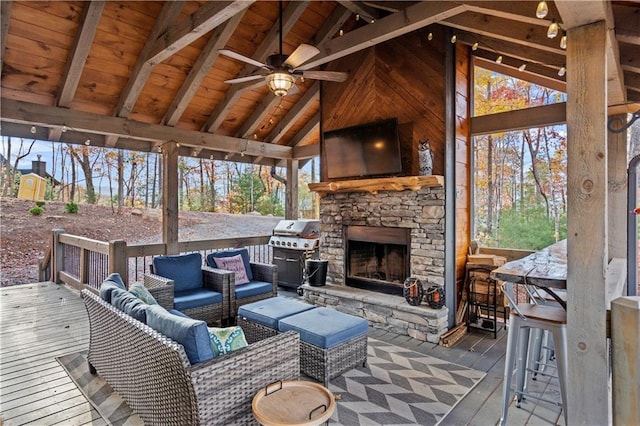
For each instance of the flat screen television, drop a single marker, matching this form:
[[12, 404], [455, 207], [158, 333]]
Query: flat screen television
[[371, 149]]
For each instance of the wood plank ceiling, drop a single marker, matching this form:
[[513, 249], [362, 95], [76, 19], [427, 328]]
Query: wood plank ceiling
[[136, 74]]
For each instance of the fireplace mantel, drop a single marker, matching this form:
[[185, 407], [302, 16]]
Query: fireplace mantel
[[413, 183]]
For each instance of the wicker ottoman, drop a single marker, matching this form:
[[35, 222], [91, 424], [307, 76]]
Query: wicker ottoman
[[331, 342], [259, 320]]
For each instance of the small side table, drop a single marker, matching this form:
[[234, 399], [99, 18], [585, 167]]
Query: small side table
[[294, 402]]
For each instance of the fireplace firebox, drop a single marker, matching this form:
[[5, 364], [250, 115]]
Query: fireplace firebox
[[377, 258]]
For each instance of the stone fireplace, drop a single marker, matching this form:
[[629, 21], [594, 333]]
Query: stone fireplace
[[374, 240]]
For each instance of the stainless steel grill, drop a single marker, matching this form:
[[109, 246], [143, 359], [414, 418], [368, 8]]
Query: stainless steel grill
[[293, 242]]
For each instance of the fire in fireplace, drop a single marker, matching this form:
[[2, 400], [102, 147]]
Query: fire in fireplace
[[377, 258]]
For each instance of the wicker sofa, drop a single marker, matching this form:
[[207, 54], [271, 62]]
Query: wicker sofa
[[154, 376]]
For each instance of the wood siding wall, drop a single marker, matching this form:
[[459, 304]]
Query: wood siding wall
[[404, 78]]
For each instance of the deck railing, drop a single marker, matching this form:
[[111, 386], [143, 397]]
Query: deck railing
[[79, 261]]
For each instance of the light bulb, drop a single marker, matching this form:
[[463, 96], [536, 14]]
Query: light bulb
[[341, 33], [64, 129], [454, 38], [552, 31], [522, 67], [563, 40], [226, 156], [475, 46], [562, 71], [177, 144], [430, 36], [373, 21], [357, 16], [87, 142], [160, 149], [211, 157], [242, 154], [33, 129], [542, 9], [499, 59]]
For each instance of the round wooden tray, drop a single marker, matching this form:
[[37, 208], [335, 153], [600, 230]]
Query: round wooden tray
[[293, 403]]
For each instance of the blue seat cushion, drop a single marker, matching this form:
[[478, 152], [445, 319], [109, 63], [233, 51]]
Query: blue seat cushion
[[195, 298], [185, 270], [192, 334], [112, 282], [228, 253], [129, 304], [253, 288], [269, 311], [324, 327]]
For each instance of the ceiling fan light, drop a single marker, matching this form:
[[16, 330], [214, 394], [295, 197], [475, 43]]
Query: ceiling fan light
[[280, 83]]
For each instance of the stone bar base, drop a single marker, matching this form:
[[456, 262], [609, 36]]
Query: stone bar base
[[391, 313]]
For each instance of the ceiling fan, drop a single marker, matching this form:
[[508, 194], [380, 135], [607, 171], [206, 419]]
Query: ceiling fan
[[281, 71]]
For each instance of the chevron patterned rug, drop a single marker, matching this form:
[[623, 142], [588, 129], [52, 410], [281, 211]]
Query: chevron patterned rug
[[397, 387], [400, 387]]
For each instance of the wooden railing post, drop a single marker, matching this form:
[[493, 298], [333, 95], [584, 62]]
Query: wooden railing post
[[625, 336], [118, 261], [57, 255]]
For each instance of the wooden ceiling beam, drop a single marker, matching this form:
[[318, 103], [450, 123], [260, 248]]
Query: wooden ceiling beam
[[266, 105], [331, 25], [519, 11], [290, 16], [5, 17], [209, 16], [575, 14], [534, 36], [632, 81], [410, 19], [312, 126], [630, 59], [367, 13], [49, 116], [200, 69], [530, 55], [295, 113], [536, 74], [627, 20]]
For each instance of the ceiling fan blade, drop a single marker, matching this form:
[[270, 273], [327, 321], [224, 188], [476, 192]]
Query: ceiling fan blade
[[243, 79], [302, 54], [242, 58], [326, 75], [293, 91]]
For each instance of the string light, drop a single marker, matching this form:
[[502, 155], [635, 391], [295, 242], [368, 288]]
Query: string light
[[160, 149], [357, 16], [430, 36], [64, 129], [454, 38], [562, 71], [552, 31], [177, 144], [341, 33], [373, 21], [211, 157], [542, 9], [499, 59], [563, 40], [522, 67], [226, 156], [87, 142], [475, 46], [33, 129]]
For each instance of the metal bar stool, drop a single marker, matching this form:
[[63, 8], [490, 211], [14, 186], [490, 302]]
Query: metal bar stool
[[523, 318]]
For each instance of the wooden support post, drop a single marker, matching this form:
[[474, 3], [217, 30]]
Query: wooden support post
[[617, 172], [170, 197], [625, 329], [118, 261], [83, 274], [291, 206], [587, 257], [57, 255]]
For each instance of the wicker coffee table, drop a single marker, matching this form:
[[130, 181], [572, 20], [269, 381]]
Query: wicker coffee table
[[294, 402]]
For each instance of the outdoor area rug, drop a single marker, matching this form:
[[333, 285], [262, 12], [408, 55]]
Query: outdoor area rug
[[104, 399], [400, 387], [397, 387]]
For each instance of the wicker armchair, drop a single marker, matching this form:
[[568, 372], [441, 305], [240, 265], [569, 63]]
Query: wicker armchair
[[154, 376], [262, 275], [164, 291]]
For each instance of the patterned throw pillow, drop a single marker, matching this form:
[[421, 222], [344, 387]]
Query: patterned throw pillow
[[226, 340], [234, 264], [141, 292]]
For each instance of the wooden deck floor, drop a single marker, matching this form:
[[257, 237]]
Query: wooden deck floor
[[41, 321]]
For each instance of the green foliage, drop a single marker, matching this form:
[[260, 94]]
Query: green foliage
[[247, 190], [270, 204], [530, 229], [71, 207], [40, 204], [36, 211]]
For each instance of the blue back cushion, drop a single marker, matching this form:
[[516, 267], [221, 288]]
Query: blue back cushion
[[228, 253], [112, 282], [192, 334], [185, 270]]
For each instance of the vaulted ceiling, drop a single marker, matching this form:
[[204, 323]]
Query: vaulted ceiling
[[136, 74]]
